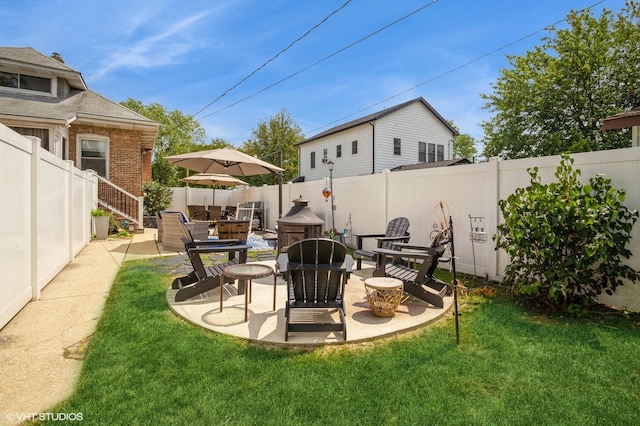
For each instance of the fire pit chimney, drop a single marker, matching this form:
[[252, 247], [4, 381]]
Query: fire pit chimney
[[298, 224]]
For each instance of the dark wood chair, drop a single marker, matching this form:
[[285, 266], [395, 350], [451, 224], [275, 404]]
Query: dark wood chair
[[397, 232], [197, 213], [420, 282], [316, 271], [205, 278]]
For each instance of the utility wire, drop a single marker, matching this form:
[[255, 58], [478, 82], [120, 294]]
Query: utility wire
[[273, 58], [324, 59], [466, 64]]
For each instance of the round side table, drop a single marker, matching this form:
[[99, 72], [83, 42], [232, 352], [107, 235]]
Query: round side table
[[384, 295], [248, 271]]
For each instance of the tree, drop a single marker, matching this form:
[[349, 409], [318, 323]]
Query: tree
[[464, 146], [566, 241], [178, 133], [554, 98], [279, 133]]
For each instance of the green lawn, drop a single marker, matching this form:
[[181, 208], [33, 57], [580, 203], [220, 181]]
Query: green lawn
[[512, 367]]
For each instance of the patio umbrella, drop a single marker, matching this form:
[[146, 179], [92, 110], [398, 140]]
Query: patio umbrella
[[214, 180], [227, 161], [223, 160]]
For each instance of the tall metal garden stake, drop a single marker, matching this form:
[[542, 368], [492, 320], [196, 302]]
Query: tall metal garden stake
[[455, 280]]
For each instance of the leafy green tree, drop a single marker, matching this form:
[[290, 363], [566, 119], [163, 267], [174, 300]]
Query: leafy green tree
[[157, 197], [464, 146], [279, 133], [178, 133], [554, 98], [566, 241]]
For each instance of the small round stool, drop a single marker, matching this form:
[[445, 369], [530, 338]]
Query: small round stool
[[384, 295], [248, 271]]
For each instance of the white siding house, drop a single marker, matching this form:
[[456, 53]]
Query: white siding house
[[409, 133]]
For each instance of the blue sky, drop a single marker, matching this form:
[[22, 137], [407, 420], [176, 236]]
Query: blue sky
[[185, 54]]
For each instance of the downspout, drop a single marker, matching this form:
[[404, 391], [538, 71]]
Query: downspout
[[373, 147]]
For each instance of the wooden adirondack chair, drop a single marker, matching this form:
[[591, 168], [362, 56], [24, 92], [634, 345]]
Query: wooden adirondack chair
[[420, 282], [205, 278], [396, 233], [316, 271]]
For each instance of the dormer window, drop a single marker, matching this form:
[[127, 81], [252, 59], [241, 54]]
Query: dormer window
[[26, 83]]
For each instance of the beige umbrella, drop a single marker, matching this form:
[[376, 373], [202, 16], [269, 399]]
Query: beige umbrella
[[214, 180], [223, 160], [227, 161]]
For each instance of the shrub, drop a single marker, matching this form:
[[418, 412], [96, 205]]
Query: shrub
[[157, 197], [566, 241]]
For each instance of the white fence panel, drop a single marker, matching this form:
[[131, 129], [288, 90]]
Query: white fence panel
[[15, 215], [46, 212]]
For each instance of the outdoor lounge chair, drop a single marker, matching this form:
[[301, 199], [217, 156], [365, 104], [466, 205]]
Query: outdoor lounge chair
[[421, 282], [171, 232], [316, 272], [396, 233], [205, 278]]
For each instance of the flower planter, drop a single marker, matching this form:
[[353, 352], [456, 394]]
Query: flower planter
[[101, 227]]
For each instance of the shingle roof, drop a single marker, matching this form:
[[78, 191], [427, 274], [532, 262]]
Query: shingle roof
[[622, 120], [443, 163], [27, 59], [377, 115]]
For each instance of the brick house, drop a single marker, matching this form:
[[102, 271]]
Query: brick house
[[42, 97]]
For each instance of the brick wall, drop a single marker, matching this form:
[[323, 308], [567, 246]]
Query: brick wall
[[128, 168]]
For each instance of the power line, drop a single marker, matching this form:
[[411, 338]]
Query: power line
[[466, 64], [325, 19], [324, 59]]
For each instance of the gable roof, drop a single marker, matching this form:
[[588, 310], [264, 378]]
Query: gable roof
[[377, 115], [81, 105]]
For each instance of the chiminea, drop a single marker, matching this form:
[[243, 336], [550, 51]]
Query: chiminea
[[299, 223]]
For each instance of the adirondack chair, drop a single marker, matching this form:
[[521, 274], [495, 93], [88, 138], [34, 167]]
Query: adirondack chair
[[316, 272], [396, 233], [420, 282], [205, 278]]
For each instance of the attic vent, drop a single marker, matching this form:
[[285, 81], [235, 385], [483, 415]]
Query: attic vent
[[57, 57]]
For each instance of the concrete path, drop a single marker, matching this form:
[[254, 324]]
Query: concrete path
[[41, 348]]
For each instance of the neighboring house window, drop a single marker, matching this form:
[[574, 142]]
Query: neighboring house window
[[431, 157], [396, 146], [324, 155], [94, 153], [422, 152], [43, 134], [440, 152], [313, 160], [28, 83], [338, 151], [354, 147]]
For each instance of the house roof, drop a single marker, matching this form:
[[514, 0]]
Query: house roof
[[622, 120], [26, 59], [443, 163], [377, 115], [81, 106]]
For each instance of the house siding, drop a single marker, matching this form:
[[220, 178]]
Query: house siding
[[412, 124]]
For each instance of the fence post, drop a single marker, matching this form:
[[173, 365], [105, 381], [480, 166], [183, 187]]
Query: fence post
[[141, 212], [35, 161]]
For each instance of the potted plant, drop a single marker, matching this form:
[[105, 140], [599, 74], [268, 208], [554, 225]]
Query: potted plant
[[100, 224]]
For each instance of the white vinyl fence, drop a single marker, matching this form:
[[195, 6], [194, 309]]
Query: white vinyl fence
[[45, 217], [365, 204]]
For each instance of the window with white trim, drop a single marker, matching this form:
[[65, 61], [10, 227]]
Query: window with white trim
[[397, 146], [12, 81], [313, 160], [422, 152], [94, 154]]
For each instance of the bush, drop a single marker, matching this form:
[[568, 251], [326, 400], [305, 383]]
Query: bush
[[157, 197], [566, 241]]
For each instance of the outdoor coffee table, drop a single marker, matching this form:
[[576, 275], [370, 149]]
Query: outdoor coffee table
[[248, 271], [384, 295]]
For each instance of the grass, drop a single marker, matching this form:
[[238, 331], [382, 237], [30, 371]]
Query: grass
[[512, 367]]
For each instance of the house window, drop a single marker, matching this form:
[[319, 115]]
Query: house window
[[24, 82], [431, 153], [94, 154], [43, 134], [313, 160], [422, 152], [338, 151], [354, 147], [396, 146], [440, 152]]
